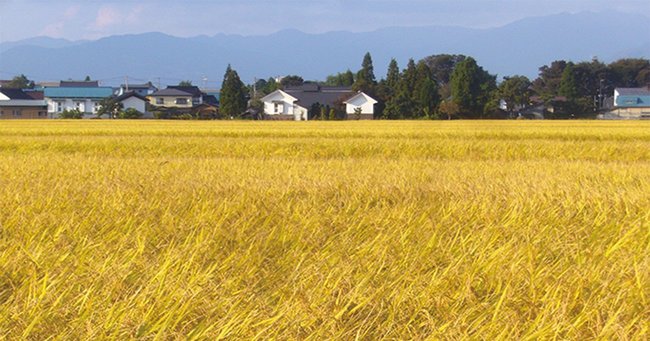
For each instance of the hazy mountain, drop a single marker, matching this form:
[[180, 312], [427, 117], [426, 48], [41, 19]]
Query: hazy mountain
[[40, 42], [517, 48]]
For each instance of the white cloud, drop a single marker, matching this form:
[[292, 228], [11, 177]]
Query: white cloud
[[107, 16]]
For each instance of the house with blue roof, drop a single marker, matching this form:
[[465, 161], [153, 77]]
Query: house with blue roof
[[630, 104], [84, 99]]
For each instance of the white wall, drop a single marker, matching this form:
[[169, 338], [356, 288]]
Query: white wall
[[365, 102], [87, 106], [135, 103]]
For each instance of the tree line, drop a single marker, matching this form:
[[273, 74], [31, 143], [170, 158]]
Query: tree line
[[448, 86]]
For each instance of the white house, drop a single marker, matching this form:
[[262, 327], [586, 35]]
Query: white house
[[133, 100], [284, 106], [84, 99], [361, 105], [297, 102]]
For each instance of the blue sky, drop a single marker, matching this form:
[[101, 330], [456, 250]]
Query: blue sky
[[92, 19]]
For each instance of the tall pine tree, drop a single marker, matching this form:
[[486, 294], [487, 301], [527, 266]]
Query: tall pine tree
[[365, 80], [232, 99]]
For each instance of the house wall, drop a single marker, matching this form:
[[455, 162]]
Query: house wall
[[22, 113], [86, 105], [632, 113], [367, 106], [170, 101], [135, 103]]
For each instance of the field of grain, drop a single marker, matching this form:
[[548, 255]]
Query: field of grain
[[324, 230]]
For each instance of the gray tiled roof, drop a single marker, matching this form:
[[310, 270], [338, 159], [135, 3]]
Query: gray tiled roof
[[310, 94], [170, 92], [633, 91]]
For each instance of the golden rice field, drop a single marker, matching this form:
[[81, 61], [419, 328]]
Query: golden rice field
[[324, 230]]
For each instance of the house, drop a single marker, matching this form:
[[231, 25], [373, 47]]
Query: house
[[171, 98], [133, 100], [145, 89], [295, 103], [84, 99], [17, 104], [629, 104], [360, 106]]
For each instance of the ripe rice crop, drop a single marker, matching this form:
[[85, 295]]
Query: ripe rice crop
[[324, 230]]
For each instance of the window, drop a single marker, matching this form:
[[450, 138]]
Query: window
[[42, 114], [59, 107], [18, 113], [79, 106], [181, 101], [95, 107], [160, 101], [2, 112], [276, 107]]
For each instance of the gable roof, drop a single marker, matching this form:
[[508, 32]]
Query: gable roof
[[193, 90], [15, 93], [171, 92], [633, 91], [129, 95], [363, 95], [83, 92], [310, 94]]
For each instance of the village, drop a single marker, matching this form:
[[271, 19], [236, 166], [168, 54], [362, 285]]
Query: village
[[423, 90]]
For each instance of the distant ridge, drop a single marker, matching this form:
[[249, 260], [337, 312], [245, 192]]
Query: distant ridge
[[517, 48]]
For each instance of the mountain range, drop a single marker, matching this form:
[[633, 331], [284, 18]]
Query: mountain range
[[520, 47]]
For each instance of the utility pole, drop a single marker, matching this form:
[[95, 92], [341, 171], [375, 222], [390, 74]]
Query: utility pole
[[126, 83], [205, 82]]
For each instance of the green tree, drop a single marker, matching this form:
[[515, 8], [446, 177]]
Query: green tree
[[442, 66], [471, 88], [428, 98], [71, 114], [20, 82], [185, 83], [547, 84], [109, 106], [568, 84], [516, 92], [270, 86], [130, 113], [233, 94], [291, 80], [625, 72], [365, 80], [340, 79]]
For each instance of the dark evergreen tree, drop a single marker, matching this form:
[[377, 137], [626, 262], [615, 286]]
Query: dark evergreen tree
[[365, 80], [471, 88], [232, 101]]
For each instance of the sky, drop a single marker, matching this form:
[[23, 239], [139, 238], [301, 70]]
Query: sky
[[93, 19]]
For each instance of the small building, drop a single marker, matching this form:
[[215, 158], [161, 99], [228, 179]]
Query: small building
[[133, 100], [295, 103], [360, 106], [171, 98], [84, 99], [17, 104], [630, 104]]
